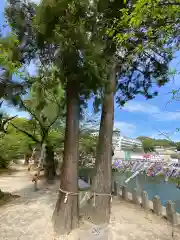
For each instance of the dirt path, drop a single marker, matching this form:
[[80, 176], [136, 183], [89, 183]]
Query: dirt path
[[29, 217]]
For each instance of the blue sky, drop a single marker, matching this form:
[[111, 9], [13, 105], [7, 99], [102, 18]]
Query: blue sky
[[153, 118]]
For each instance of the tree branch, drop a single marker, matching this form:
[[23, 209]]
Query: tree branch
[[34, 115], [26, 133], [55, 119], [6, 121]]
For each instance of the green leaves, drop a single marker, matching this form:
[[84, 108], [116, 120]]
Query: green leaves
[[68, 28], [149, 144], [9, 66], [14, 144], [44, 103], [149, 17], [146, 33], [9, 54]]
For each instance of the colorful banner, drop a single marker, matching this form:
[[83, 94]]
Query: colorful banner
[[151, 169]]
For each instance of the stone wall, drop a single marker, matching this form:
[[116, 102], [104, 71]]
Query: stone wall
[[155, 205]]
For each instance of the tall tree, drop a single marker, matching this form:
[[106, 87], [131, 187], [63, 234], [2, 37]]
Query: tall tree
[[72, 49], [79, 74], [140, 54]]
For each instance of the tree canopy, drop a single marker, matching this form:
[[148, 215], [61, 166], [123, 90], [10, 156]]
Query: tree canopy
[[149, 144]]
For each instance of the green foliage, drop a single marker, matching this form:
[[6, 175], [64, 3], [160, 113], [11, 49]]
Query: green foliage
[[44, 103], [14, 144], [67, 28], [56, 138], [9, 66], [87, 149], [146, 32], [149, 144], [19, 15], [8, 54]]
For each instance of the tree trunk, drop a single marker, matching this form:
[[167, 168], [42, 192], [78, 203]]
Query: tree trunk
[[66, 214], [103, 165], [49, 163], [26, 159], [1, 194]]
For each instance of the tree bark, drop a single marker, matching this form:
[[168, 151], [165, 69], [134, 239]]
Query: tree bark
[[26, 159], [1, 194], [66, 215], [49, 163], [101, 182]]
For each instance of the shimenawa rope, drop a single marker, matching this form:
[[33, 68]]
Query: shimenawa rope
[[86, 194]]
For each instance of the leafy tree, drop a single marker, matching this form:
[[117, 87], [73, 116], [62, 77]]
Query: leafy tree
[[71, 49], [9, 86], [14, 144], [79, 74], [45, 104], [9, 64], [140, 52], [10, 69], [73, 31], [148, 144], [10, 147]]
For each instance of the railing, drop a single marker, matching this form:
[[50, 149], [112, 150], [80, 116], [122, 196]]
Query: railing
[[168, 212], [155, 205]]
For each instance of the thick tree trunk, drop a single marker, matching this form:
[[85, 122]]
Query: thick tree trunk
[[102, 178], [66, 215]]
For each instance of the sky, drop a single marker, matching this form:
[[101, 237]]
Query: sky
[[157, 118]]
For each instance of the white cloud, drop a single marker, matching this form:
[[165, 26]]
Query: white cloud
[[135, 106], [143, 107], [125, 128]]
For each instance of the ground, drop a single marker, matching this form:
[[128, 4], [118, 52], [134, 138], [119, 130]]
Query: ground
[[29, 216]]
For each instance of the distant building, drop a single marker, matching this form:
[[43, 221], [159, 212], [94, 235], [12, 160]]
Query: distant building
[[125, 143], [165, 152], [124, 147], [116, 139], [130, 144], [127, 148]]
